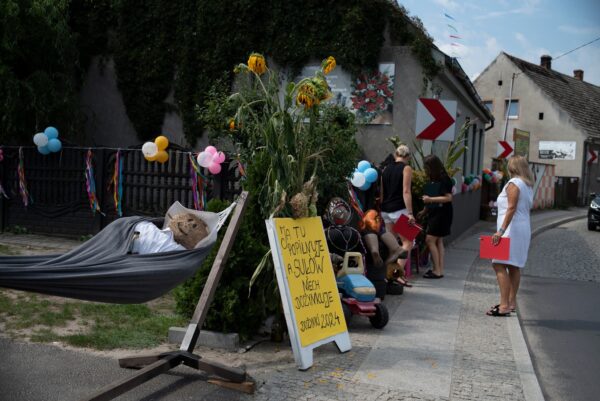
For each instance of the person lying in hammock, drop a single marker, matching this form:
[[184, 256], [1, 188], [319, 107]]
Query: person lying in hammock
[[183, 232]]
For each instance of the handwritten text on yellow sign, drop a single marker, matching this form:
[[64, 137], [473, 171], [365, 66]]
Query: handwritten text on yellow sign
[[310, 279]]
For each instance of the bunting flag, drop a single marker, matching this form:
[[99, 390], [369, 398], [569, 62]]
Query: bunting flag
[[448, 16], [90, 183], [455, 36], [454, 44], [198, 184], [25, 196], [355, 202], [117, 183], [451, 26]]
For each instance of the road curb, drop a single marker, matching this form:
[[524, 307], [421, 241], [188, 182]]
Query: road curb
[[532, 390], [556, 223]]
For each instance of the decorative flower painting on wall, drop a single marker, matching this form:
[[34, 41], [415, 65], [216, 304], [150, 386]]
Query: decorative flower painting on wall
[[373, 96]]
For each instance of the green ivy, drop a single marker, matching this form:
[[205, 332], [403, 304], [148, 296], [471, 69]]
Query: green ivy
[[39, 69]]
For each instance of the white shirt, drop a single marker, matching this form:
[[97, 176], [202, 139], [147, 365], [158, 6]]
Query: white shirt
[[152, 239]]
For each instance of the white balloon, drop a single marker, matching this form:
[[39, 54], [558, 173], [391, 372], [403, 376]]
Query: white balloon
[[204, 159], [40, 139], [149, 149], [358, 179]]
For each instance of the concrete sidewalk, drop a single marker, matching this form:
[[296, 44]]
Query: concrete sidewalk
[[438, 345]]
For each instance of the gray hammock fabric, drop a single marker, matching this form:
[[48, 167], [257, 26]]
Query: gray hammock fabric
[[102, 270]]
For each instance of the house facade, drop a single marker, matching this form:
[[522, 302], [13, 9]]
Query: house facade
[[547, 116]]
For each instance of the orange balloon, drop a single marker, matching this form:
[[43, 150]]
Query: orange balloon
[[162, 156], [161, 142]]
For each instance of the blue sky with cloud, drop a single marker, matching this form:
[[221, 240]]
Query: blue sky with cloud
[[523, 28]]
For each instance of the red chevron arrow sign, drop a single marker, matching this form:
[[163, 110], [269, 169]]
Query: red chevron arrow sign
[[436, 119], [592, 156], [506, 149]]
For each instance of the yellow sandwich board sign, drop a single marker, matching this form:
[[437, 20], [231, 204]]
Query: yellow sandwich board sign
[[306, 280]]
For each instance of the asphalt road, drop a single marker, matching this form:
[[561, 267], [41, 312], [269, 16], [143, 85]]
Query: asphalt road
[[558, 308]]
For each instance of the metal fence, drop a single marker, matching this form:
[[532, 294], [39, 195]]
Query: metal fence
[[59, 200]]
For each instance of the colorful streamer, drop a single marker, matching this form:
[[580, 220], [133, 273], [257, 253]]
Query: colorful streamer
[[455, 36], [90, 184], [455, 30], [354, 201], [117, 183], [25, 196], [198, 184], [448, 16]]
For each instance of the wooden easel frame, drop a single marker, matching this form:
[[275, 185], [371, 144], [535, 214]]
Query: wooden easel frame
[[153, 365]]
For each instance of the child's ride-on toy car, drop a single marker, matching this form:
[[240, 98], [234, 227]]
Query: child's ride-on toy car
[[358, 293]]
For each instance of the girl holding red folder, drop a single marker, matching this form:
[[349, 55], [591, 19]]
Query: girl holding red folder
[[514, 205], [438, 207]]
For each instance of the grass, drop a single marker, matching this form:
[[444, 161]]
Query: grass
[[7, 250], [98, 326]]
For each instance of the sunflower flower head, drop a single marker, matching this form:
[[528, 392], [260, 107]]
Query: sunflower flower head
[[257, 63], [328, 65], [307, 94], [322, 90]]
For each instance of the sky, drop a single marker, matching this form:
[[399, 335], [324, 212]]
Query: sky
[[526, 29]]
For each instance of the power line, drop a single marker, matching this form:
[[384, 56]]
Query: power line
[[577, 48]]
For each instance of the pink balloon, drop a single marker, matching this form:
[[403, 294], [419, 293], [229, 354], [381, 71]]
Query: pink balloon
[[219, 158], [211, 149], [204, 159], [214, 168]]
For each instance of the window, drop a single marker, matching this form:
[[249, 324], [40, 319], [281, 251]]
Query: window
[[500, 83], [513, 113], [489, 104], [541, 116]]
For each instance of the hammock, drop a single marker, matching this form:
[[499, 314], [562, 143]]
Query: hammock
[[102, 270]]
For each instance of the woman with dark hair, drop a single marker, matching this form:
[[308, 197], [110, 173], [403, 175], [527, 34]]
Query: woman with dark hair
[[438, 208]]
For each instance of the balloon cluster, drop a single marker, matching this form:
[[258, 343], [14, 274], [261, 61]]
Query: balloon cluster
[[471, 182], [211, 158], [156, 151], [492, 176], [364, 175], [47, 141]]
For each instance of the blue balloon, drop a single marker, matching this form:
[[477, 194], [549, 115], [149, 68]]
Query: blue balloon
[[44, 150], [54, 145], [363, 165], [370, 174], [366, 186], [51, 132]]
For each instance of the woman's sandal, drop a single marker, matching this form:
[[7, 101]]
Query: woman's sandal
[[403, 282], [495, 311], [431, 274], [498, 307]]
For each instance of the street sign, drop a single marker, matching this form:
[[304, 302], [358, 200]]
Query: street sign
[[436, 119], [592, 156], [505, 149]]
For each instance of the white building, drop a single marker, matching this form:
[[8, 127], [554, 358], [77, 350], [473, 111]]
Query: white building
[[558, 113]]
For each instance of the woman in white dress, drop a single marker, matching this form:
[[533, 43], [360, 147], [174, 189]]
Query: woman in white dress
[[514, 205]]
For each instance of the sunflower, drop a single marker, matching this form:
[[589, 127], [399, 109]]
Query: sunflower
[[307, 94], [232, 125], [328, 65], [257, 63]]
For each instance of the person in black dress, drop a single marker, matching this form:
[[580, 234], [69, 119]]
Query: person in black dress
[[438, 208]]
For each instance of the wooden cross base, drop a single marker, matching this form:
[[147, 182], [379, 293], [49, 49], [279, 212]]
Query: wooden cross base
[[153, 365]]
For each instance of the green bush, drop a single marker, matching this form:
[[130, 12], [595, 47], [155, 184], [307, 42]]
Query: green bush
[[232, 309]]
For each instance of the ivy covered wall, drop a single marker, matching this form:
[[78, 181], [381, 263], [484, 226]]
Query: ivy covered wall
[[187, 45]]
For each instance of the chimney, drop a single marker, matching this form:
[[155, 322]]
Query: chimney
[[546, 62], [578, 74]]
